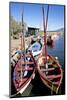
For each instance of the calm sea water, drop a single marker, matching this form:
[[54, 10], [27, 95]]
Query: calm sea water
[[37, 88], [58, 50]]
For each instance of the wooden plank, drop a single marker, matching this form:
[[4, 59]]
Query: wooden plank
[[49, 69], [56, 83], [53, 76], [27, 62], [24, 69]]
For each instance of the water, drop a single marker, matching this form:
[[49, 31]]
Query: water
[[58, 50], [38, 88]]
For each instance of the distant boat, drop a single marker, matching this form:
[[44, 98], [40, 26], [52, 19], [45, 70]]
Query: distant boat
[[49, 69], [36, 48], [55, 37], [49, 41]]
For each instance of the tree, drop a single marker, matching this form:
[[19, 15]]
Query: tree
[[15, 27]]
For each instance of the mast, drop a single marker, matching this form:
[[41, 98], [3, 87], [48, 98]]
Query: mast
[[45, 28], [22, 33], [47, 17], [22, 43]]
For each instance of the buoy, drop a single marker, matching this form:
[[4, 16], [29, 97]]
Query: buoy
[[56, 58]]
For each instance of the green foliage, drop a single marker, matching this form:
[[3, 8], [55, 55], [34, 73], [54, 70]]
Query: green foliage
[[15, 27]]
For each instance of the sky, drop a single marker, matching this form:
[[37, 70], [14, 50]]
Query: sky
[[33, 16]]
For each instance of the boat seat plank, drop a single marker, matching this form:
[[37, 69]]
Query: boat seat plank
[[24, 69], [47, 64], [53, 76], [22, 80], [50, 63], [56, 83], [27, 62], [49, 69]]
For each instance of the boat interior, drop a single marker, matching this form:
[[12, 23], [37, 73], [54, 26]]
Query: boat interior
[[52, 71], [23, 71]]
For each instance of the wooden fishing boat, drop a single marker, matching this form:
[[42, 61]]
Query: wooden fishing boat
[[23, 73], [48, 67], [24, 70], [36, 49], [51, 73]]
